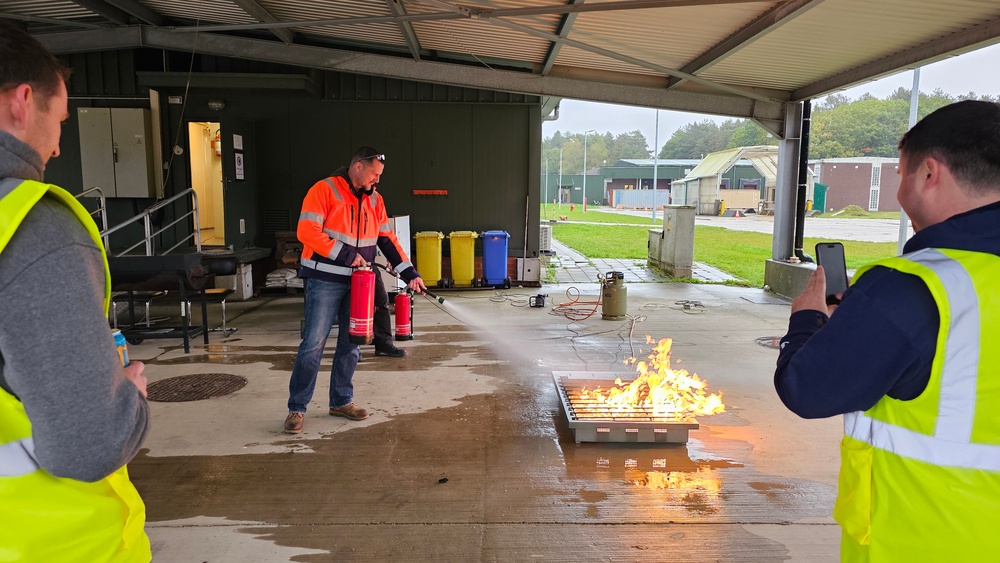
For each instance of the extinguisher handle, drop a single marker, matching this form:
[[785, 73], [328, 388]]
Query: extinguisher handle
[[388, 270]]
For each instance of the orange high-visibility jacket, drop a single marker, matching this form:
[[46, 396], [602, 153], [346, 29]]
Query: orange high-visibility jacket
[[337, 223]]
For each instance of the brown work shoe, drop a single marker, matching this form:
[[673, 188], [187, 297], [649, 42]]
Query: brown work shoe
[[351, 411], [293, 423]]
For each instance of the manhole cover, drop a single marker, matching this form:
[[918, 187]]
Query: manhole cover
[[770, 341], [194, 387]]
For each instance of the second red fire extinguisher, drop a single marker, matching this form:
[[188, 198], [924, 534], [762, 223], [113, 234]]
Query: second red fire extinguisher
[[403, 318], [362, 325]]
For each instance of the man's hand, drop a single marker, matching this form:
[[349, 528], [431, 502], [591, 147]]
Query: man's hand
[[359, 260], [133, 371], [813, 297], [417, 284]]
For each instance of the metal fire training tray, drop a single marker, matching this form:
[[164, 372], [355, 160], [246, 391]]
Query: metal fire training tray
[[591, 421]]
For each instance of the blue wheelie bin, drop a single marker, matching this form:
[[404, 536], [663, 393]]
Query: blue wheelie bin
[[495, 258]]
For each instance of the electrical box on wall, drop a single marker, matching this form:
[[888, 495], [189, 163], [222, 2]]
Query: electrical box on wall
[[116, 151]]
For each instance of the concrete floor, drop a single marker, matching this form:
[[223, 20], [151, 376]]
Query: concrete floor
[[473, 402]]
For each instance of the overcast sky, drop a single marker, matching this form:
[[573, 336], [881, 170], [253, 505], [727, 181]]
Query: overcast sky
[[978, 71]]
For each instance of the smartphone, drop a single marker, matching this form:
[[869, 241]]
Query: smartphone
[[830, 255]]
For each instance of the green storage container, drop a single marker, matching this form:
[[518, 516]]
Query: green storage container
[[819, 197], [429, 256], [463, 257]]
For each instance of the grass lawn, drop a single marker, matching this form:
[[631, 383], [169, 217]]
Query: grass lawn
[[595, 215], [741, 254], [856, 212]]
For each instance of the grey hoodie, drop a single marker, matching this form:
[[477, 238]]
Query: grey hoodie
[[56, 351]]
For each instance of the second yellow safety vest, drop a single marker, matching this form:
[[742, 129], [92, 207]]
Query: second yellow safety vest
[[920, 479]]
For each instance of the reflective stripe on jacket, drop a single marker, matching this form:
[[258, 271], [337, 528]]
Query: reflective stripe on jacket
[[48, 518], [920, 479], [336, 225]]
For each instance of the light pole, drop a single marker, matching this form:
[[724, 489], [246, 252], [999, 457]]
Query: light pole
[[559, 187], [585, 133], [656, 159], [546, 200]]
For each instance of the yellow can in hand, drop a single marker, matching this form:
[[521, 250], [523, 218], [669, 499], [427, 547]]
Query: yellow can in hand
[[121, 346]]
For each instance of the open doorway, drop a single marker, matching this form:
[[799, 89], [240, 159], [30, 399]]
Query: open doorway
[[205, 157]]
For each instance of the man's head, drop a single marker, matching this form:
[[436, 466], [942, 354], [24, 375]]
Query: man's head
[[950, 162], [33, 98], [365, 168]]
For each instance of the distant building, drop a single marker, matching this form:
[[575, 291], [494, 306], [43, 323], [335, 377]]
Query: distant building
[[868, 182], [629, 182], [743, 178]]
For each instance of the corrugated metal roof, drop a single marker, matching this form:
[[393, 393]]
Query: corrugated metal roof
[[743, 50], [714, 164], [202, 11], [763, 158], [668, 37], [660, 162], [57, 9], [303, 10], [840, 35]]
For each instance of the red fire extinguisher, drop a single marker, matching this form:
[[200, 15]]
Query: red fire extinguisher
[[403, 319], [362, 324]]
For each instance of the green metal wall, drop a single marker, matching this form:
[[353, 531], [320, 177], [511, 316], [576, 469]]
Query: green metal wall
[[483, 147]]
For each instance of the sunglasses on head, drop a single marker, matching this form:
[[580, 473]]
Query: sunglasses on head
[[378, 157]]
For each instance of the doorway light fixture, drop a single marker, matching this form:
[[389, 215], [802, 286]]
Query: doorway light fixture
[[216, 105]]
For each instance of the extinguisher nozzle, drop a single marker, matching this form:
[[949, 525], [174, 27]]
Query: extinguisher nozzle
[[439, 299]]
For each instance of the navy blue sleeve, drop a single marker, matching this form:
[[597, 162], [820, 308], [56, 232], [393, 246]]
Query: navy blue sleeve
[[880, 341]]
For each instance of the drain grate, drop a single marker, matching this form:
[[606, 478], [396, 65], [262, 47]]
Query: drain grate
[[194, 387]]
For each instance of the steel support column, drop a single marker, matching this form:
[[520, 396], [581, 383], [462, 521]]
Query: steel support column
[[785, 191]]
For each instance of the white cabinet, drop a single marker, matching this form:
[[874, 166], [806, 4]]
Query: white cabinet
[[116, 151]]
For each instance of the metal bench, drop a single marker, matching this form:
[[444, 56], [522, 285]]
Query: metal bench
[[129, 298], [216, 295]]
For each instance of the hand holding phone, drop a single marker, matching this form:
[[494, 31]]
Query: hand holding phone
[[830, 255]]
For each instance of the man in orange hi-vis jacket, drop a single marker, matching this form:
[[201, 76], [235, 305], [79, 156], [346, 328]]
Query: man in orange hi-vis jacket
[[342, 222]]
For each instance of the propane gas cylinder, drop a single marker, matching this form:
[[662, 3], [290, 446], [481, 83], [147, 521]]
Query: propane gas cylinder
[[614, 298], [362, 324], [403, 319]]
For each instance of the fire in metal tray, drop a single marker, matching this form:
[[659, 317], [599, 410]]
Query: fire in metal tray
[[659, 405]]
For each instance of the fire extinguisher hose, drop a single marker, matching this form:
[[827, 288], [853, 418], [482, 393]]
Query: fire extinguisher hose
[[395, 274]]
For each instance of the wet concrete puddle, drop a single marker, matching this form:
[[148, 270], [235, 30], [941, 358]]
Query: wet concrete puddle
[[509, 459]]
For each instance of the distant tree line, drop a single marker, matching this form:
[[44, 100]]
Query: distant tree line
[[841, 127]]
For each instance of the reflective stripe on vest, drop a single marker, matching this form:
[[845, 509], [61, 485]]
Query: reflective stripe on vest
[[951, 443], [17, 458], [329, 268]]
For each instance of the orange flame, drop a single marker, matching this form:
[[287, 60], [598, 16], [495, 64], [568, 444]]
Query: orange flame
[[664, 391]]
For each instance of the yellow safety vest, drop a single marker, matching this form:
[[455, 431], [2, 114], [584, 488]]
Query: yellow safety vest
[[48, 518], [920, 479]]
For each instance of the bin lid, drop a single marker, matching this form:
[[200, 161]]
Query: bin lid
[[463, 234], [496, 234], [429, 234]]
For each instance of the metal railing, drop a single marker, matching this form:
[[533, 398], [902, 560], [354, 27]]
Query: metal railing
[[101, 208], [145, 217]]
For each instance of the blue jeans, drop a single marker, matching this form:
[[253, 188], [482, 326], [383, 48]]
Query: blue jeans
[[325, 302]]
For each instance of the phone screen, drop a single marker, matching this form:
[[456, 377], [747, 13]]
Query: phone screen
[[830, 255]]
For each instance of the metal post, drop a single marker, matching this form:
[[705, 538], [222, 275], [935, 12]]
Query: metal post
[[785, 190], [546, 200], [559, 189], [904, 221], [656, 161], [585, 133], [800, 198]]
